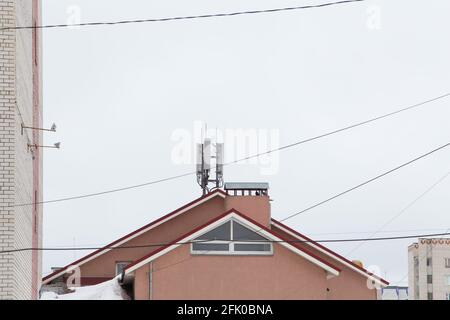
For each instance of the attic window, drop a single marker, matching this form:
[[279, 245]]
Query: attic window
[[231, 238], [120, 266]]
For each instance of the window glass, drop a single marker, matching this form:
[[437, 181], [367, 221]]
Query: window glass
[[251, 247], [210, 246], [232, 237], [120, 266], [429, 278], [241, 233], [222, 232]]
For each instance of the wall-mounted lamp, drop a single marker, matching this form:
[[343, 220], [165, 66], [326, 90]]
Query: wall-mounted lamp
[[31, 147], [52, 129]]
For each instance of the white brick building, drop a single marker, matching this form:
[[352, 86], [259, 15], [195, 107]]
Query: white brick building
[[429, 269], [20, 166]]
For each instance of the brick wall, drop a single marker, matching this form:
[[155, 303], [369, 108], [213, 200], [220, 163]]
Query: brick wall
[[18, 271], [7, 144]]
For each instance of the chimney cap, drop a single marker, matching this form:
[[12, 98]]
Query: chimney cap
[[246, 186]]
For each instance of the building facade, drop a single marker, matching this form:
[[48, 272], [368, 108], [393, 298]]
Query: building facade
[[20, 162], [429, 269], [224, 245]]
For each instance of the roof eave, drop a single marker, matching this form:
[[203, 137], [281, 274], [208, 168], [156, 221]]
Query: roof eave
[[330, 253], [132, 235]]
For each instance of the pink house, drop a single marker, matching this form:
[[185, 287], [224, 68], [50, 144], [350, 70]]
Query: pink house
[[224, 245]]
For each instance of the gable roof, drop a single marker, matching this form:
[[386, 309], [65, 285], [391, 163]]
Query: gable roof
[[329, 252], [134, 234], [248, 222]]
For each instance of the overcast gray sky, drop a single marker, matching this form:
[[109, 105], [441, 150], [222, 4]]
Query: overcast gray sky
[[118, 94]]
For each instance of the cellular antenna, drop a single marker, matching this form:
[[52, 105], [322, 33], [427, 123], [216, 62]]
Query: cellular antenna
[[203, 165]]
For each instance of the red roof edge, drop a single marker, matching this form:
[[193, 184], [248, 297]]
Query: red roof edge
[[329, 251], [246, 218], [110, 245]]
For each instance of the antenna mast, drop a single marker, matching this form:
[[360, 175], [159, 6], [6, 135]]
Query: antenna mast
[[204, 164]]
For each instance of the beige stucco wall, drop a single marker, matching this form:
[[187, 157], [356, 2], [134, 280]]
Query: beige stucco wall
[[348, 285], [441, 251], [180, 275], [413, 273], [254, 207]]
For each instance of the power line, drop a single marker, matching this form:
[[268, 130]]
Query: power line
[[312, 234], [282, 241], [367, 181], [108, 191], [192, 17], [243, 159], [412, 203], [344, 128], [230, 241], [381, 231]]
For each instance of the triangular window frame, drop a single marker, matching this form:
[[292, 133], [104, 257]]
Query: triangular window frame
[[241, 240]]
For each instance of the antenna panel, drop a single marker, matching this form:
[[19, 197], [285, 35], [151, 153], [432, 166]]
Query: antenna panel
[[198, 158], [219, 158], [207, 154]]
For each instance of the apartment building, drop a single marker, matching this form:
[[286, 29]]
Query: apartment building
[[20, 158], [429, 269]]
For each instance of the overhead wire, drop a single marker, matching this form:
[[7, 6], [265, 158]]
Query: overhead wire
[[447, 233], [291, 145], [178, 18]]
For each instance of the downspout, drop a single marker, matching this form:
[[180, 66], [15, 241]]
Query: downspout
[[150, 281]]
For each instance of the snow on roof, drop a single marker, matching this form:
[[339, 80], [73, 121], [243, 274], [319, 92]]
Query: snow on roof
[[108, 290]]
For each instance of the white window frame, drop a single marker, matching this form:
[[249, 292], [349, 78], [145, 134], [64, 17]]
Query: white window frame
[[231, 251]]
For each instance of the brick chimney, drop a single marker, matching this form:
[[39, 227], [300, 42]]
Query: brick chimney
[[249, 198]]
